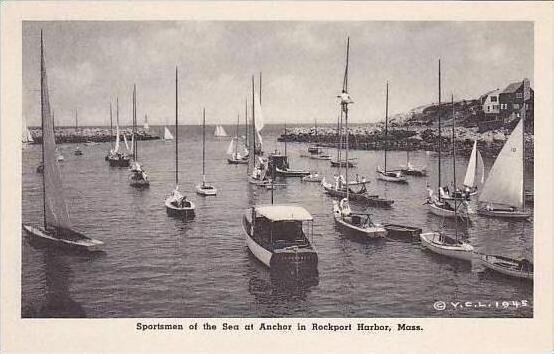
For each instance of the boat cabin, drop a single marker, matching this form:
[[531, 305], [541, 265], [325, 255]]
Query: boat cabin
[[281, 226]]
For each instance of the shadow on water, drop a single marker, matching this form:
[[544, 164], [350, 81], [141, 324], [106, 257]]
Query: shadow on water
[[58, 276]]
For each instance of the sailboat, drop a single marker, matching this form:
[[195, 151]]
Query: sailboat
[[177, 204], [411, 170], [358, 223], [111, 135], [503, 192], [235, 158], [167, 135], [205, 188], [283, 168], [146, 127], [27, 137], [117, 158], [57, 226], [441, 205], [77, 151], [138, 176], [384, 175], [475, 172], [220, 132], [257, 166]]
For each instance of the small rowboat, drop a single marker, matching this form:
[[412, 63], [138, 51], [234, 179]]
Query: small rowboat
[[521, 268], [178, 205], [446, 246], [206, 189], [391, 176], [312, 177], [402, 232]]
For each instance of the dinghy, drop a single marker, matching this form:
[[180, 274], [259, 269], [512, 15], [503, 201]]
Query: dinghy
[[402, 232], [359, 224], [503, 193], [384, 174], [177, 204], [516, 268], [475, 172], [138, 176], [275, 235], [441, 244], [57, 227], [205, 188]]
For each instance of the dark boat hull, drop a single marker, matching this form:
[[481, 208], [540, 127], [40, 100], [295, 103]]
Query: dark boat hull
[[237, 162], [402, 232], [369, 200], [119, 162]]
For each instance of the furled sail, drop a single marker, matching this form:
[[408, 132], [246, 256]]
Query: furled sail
[[259, 119], [125, 140], [505, 182], [56, 211], [167, 134], [132, 144], [116, 148]]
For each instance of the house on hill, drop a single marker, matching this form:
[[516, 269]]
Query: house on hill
[[512, 101]]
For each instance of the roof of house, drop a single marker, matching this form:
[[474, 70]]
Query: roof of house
[[283, 212], [513, 87]]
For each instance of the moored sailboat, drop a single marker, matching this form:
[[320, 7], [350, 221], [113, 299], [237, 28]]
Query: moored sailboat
[[138, 176], [205, 188], [77, 151], [257, 166], [57, 227], [503, 192], [220, 132], [177, 204], [515, 268], [117, 158], [475, 172], [410, 170], [284, 169], [236, 158], [167, 135], [386, 175]]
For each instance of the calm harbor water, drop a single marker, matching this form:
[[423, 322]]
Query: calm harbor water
[[157, 266]]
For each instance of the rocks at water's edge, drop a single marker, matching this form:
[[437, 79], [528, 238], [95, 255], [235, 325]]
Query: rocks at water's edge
[[83, 135]]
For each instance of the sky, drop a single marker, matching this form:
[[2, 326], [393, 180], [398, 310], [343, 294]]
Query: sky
[[91, 63]]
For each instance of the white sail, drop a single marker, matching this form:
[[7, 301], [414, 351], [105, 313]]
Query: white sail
[[480, 173], [167, 134], [231, 148], [219, 131], [132, 144], [146, 126], [56, 211], [116, 148], [259, 119], [125, 141], [505, 182], [469, 180]]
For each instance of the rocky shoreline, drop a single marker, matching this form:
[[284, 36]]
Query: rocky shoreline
[[87, 135], [410, 139]]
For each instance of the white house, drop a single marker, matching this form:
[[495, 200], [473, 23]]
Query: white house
[[491, 104]]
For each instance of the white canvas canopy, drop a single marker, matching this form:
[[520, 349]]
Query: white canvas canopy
[[167, 134], [283, 212], [505, 182]]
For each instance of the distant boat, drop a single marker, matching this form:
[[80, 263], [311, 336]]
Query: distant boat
[[205, 188], [57, 227], [27, 137], [386, 175], [138, 176], [77, 151], [411, 170], [167, 134], [177, 204], [219, 131], [146, 127], [503, 192], [475, 172]]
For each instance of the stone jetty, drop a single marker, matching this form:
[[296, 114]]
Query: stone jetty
[[410, 138], [84, 135]]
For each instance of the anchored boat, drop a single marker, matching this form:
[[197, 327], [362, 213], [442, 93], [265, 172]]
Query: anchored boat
[[516, 268], [115, 157], [411, 170], [57, 227], [475, 172], [177, 204], [205, 188], [138, 176]]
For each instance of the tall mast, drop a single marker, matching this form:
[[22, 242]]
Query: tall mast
[[440, 131], [285, 138], [237, 136], [176, 127], [345, 87], [253, 121], [76, 121], [260, 88], [135, 147], [386, 124], [111, 124], [245, 122], [117, 112], [523, 112], [453, 142], [203, 145], [42, 88]]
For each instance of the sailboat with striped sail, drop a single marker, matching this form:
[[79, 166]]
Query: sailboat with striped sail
[[503, 192], [177, 203], [57, 226]]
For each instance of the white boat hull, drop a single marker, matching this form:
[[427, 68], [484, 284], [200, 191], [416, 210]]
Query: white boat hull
[[177, 211], [504, 267], [88, 244], [383, 177], [434, 209], [201, 190], [463, 251], [370, 232], [258, 251]]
